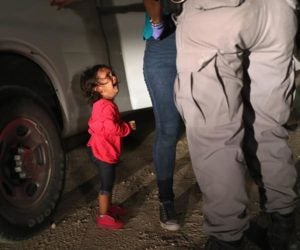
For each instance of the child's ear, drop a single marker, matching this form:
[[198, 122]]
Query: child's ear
[[115, 79]]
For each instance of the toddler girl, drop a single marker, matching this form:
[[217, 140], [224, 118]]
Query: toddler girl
[[106, 129]]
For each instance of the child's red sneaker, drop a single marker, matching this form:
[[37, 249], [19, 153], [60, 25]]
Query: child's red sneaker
[[117, 210], [109, 222]]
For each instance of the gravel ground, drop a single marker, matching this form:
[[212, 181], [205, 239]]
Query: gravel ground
[[74, 227]]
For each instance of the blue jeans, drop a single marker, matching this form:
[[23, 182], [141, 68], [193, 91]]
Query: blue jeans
[[160, 73]]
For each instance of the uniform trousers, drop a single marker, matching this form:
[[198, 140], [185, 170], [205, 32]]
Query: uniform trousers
[[226, 48]]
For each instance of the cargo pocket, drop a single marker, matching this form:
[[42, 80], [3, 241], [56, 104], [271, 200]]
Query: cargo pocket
[[200, 99], [210, 96]]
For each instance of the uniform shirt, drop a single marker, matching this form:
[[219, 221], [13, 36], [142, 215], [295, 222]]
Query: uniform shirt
[[106, 129]]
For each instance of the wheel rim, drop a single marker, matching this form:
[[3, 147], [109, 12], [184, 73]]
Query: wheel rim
[[25, 166]]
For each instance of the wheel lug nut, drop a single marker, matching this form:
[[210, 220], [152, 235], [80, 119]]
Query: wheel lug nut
[[20, 150], [22, 175], [19, 163], [17, 157], [18, 169]]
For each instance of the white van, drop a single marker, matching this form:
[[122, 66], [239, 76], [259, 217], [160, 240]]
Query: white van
[[43, 50]]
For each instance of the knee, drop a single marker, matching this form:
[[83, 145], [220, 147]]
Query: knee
[[169, 136]]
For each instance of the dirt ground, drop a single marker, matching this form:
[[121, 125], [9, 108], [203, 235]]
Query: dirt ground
[[73, 225]]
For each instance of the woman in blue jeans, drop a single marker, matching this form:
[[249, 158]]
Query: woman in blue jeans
[[160, 73]]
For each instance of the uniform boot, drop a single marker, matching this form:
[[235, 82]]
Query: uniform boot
[[281, 232], [257, 232]]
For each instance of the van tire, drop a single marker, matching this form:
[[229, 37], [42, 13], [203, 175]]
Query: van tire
[[32, 168]]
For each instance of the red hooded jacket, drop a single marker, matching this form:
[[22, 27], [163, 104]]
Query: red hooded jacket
[[106, 129]]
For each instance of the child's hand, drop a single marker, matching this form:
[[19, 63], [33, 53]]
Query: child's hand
[[132, 125]]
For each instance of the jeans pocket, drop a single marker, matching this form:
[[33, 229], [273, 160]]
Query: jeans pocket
[[212, 4]]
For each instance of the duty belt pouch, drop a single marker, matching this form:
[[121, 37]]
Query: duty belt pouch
[[213, 4]]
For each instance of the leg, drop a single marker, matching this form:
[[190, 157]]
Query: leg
[[160, 72], [107, 173], [271, 76], [107, 178], [104, 201]]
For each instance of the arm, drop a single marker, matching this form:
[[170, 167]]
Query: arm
[[113, 124], [106, 120], [153, 9]]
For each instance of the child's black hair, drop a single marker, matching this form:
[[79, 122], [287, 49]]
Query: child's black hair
[[88, 82]]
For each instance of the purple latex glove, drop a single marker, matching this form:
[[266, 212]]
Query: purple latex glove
[[157, 30]]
